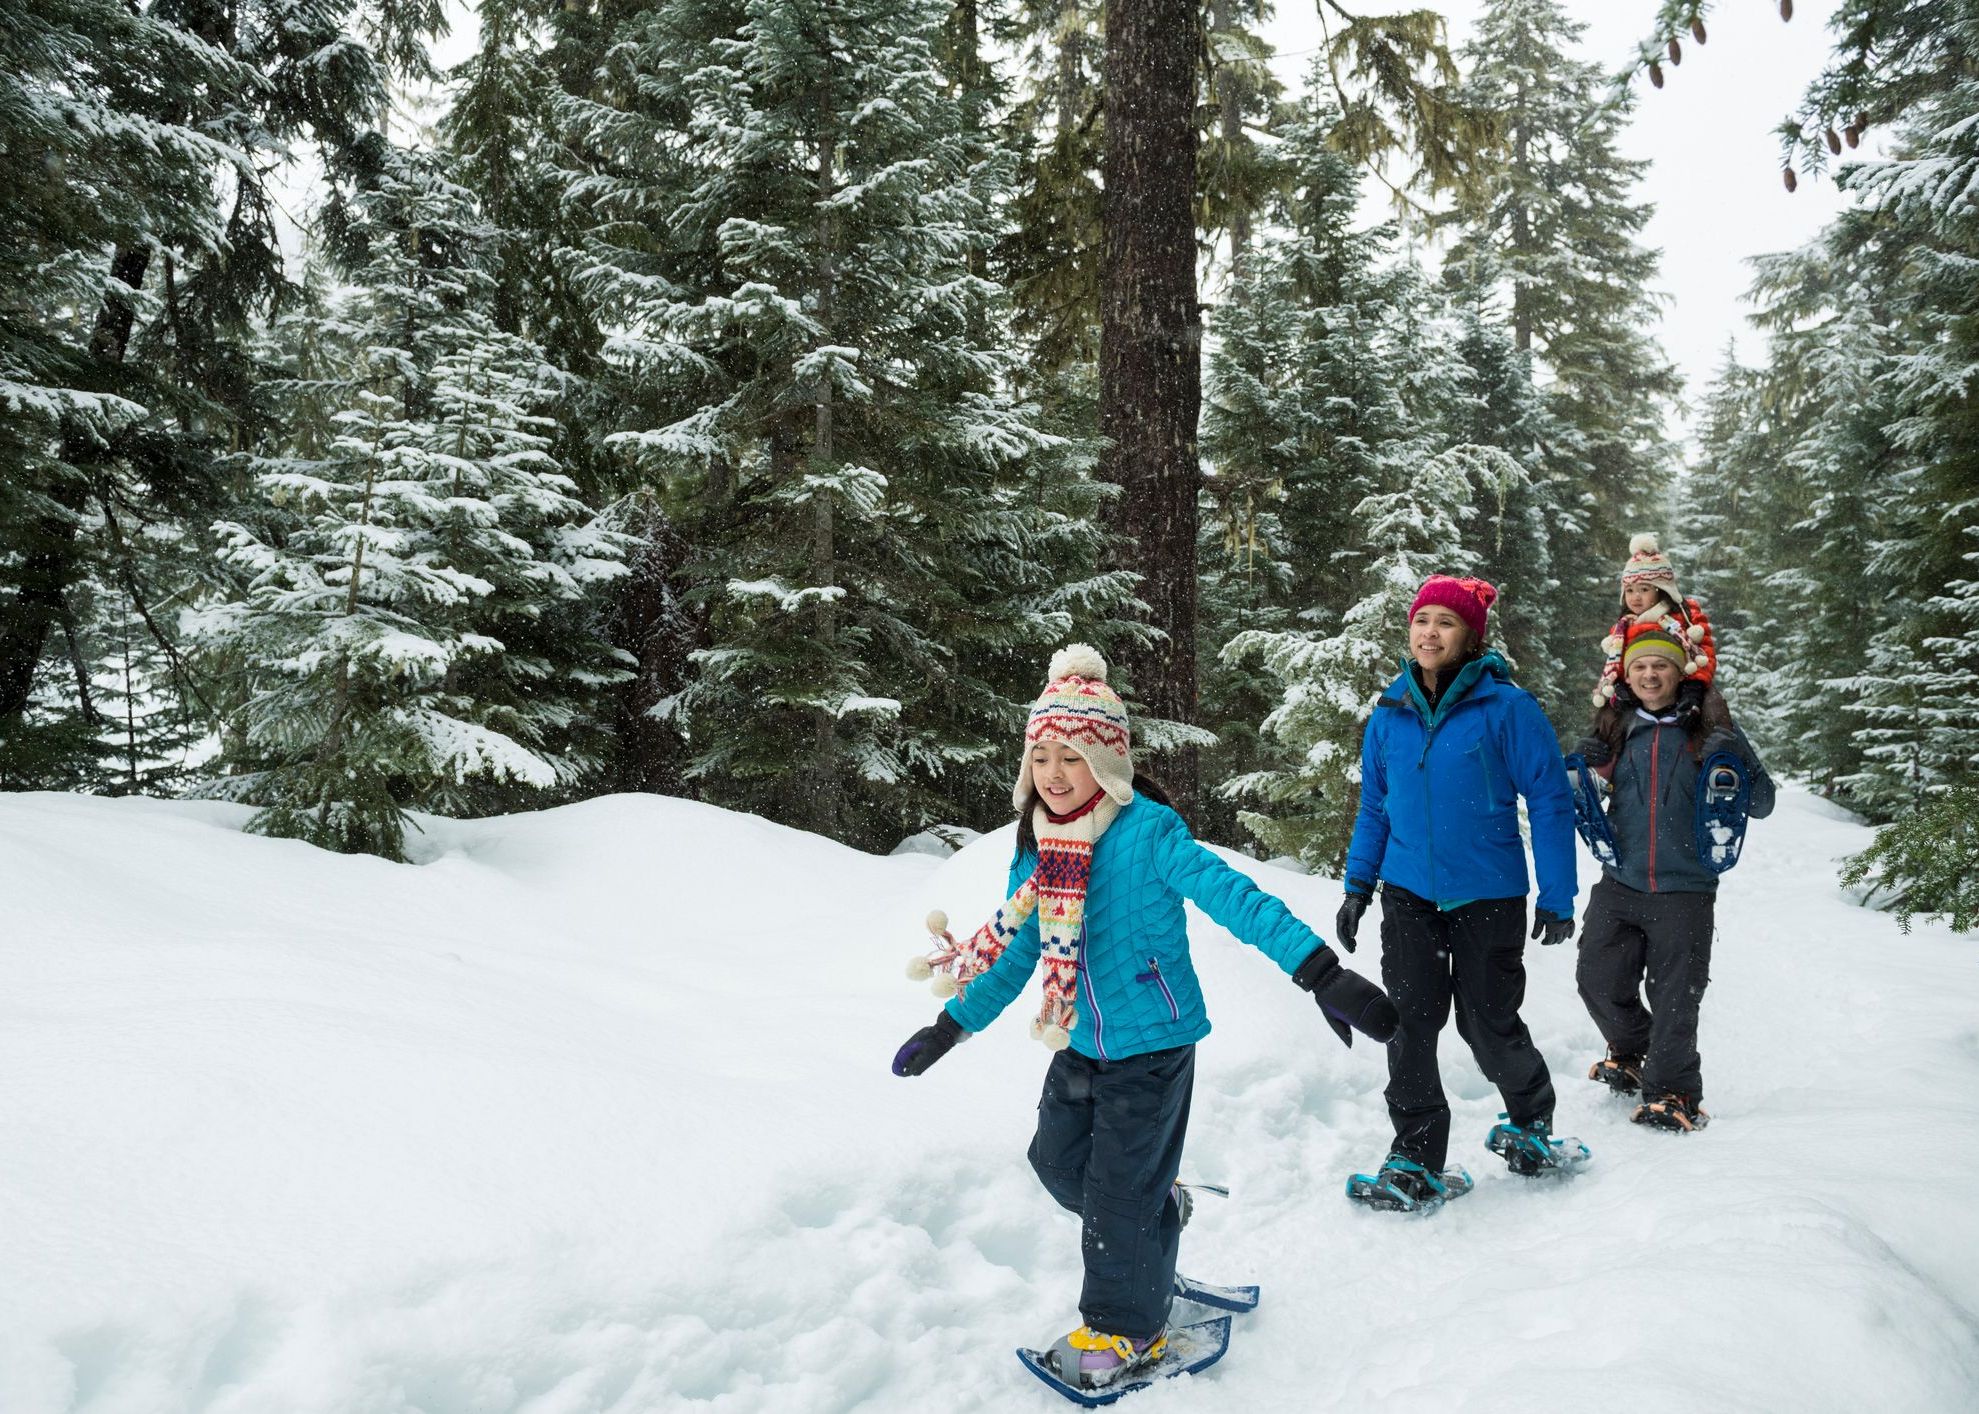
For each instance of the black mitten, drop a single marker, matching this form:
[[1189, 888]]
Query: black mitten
[[1594, 751], [1346, 999], [928, 1045], [1690, 703]]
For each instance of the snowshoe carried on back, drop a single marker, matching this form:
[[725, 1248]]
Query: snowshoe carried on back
[[1404, 1186], [1531, 1150], [1724, 795], [1590, 820], [1681, 1114], [1622, 1074]]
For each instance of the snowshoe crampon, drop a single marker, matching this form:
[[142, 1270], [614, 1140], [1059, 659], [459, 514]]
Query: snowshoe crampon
[[1223, 1298], [1724, 795], [1590, 820], [1188, 1349], [1622, 1074], [1533, 1152], [1677, 1113], [1403, 1186]]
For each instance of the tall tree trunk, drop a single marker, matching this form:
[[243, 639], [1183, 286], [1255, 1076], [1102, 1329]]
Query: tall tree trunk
[[55, 561], [1150, 361], [825, 785], [652, 622], [1233, 91]]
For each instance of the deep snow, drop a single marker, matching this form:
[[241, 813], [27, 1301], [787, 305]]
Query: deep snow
[[589, 1110]]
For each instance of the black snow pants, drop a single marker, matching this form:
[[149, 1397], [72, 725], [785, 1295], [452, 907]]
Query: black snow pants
[[1474, 955], [1108, 1146], [1627, 937]]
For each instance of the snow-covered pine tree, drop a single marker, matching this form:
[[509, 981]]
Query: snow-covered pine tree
[[409, 630], [1330, 682], [785, 216], [1560, 220]]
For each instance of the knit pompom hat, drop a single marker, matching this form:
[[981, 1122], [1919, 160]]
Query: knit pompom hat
[[1655, 641], [1469, 599], [1647, 564], [1080, 710]]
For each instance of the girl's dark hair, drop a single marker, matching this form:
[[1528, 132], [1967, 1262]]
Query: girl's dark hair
[[1027, 835]]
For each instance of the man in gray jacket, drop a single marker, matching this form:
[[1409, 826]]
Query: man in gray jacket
[[1651, 916]]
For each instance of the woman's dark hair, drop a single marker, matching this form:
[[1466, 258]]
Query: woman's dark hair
[[1027, 836]]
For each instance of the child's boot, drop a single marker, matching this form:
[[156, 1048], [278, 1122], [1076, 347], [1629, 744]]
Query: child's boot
[[1093, 1359]]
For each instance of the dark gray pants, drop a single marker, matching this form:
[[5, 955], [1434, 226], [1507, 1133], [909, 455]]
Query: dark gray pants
[[1628, 937], [1108, 1146], [1476, 956]]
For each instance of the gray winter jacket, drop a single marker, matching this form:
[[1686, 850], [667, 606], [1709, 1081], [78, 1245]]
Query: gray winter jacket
[[1653, 808]]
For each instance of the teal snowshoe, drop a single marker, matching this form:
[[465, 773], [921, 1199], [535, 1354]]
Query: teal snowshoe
[[1532, 1150], [1404, 1186]]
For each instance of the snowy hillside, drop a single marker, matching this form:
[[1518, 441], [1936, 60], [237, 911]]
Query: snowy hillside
[[589, 1111]]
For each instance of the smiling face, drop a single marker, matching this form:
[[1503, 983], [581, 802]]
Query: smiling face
[[1653, 679], [1438, 639], [1063, 780]]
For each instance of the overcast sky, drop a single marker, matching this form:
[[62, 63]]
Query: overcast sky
[[1709, 135]]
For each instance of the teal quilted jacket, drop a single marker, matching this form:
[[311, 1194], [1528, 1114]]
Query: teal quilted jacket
[[1137, 988]]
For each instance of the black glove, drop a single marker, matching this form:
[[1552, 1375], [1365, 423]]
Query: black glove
[[1347, 999], [1550, 928], [1690, 703], [1594, 751], [927, 1045], [1347, 922], [1624, 698], [1717, 741]]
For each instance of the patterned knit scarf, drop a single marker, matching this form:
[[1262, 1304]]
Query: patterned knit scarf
[[1056, 892]]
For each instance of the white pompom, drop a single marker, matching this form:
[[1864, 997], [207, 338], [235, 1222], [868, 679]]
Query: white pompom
[[1696, 666], [937, 922], [1054, 1037], [945, 985], [1596, 698], [1612, 644], [1077, 660], [1644, 544], [1697, 633], [919, 969], [1607, 692]]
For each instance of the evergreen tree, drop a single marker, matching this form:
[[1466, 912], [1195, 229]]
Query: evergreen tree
[[408, 632], [831, 433], [1557, 218]]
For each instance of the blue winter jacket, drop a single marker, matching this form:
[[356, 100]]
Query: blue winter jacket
[[1137, 988], [1439, 809]]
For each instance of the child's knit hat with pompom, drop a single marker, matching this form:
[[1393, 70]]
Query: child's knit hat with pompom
[[1079, 709], [1647, 564]]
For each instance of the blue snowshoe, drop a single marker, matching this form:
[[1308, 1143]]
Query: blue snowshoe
[[1531, 1151], [1183, 1350], [1590, 820], [1223, 1298], [1724, 794], [1404, 1186]]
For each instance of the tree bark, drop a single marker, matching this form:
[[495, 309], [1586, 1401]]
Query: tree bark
[[1150, 370]]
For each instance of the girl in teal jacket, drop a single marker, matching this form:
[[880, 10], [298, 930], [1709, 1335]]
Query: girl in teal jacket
[[1102, 869]]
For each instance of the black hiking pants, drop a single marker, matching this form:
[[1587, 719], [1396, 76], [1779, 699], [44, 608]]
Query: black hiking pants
[[1474, 956], [1108, 1146], [1627, 938]]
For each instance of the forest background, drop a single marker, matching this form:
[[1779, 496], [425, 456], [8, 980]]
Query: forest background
[[404, 409]]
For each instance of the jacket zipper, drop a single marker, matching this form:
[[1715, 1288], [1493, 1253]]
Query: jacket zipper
[[1153, 974], [1091, 994], [1655, 783]]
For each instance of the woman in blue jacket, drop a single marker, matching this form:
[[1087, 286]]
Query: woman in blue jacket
[[1448, 751], [1101, 871]]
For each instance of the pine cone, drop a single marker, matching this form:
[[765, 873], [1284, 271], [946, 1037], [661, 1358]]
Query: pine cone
[[1851, 135], [1787, 176], [1786, 9], [1656, 73], [1697, 30], [1834, 142], [1676, 51]]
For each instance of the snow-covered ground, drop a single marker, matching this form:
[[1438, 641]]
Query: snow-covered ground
[[589, 1110]]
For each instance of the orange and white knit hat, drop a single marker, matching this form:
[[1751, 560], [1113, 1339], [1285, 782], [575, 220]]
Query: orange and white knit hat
[[1080, 710], [1647, 564]]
